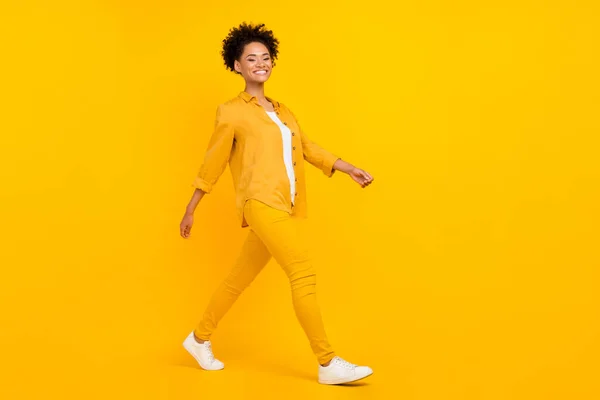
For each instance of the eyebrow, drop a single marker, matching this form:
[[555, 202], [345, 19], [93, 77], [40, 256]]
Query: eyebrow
[[264, 54]]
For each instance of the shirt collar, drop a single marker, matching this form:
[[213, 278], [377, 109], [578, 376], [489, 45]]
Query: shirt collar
[[248, 97]]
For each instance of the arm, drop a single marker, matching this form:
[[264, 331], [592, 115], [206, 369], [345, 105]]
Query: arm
[[215, 161], [318, 156], [315, 154], [187, 221], [363, 178], [217, 153], [329, 163], [194, 201]]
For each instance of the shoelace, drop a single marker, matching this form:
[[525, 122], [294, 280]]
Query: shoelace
[[343, 363], [208, 346]]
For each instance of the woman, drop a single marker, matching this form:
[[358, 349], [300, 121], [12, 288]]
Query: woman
[[264, 146]]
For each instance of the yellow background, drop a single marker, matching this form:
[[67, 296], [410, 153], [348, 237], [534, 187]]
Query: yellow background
[[468, 270]]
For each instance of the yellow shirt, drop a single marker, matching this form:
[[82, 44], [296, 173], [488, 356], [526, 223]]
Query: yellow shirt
[[250, 141]]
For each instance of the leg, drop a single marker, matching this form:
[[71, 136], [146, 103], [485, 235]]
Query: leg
[[280, 234], [253, 257]]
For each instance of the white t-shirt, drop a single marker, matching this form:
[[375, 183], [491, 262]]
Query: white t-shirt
[[286, 135]]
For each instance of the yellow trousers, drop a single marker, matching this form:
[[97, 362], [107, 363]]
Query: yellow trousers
[[272, 233]]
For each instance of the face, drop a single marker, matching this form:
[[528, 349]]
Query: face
[[255, 63]]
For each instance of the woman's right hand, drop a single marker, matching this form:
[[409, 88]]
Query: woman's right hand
[[186, 225]]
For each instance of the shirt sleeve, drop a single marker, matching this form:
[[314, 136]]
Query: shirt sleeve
[[315, 154], [217, 153]]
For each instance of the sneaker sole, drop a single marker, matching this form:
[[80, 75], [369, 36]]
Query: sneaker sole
[[343, 380], [189, 350]]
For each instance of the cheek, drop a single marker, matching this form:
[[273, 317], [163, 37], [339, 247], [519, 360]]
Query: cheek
[[248, 69]]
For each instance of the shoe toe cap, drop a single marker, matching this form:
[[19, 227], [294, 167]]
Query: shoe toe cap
[[363, 371]]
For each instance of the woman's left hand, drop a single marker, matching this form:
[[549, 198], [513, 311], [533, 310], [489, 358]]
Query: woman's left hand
[[361, 177]]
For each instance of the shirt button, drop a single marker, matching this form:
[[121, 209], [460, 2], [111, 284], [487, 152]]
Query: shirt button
[[285, 123], [293, 147], [294, 163], [293, 133]]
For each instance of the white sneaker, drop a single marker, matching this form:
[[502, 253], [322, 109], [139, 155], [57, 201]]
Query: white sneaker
[[202, 352], [341, 371]]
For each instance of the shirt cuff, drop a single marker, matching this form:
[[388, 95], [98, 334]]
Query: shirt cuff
[[328, 162], [203, 185]]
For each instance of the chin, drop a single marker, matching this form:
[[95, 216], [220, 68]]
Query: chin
[[261, 79]]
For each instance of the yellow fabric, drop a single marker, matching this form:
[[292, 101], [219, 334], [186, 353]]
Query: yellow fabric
[[272, 233], [247, 138]]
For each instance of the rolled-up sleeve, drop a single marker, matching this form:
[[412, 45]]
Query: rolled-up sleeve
[[315, 154], [217, 153]]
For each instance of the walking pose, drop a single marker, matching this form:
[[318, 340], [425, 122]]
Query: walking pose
[[264, 146]]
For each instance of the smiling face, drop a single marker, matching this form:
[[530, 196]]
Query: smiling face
[[255, 63]]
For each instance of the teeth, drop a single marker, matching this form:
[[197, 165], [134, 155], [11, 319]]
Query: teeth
[[261, 72]]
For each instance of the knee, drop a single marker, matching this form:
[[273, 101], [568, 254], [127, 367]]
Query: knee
[[303, 279]]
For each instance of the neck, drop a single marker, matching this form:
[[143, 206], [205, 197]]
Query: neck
[[256, 89]]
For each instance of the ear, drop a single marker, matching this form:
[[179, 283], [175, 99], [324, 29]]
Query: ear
[[237, 66]]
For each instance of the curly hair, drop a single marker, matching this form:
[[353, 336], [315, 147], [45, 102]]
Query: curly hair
[[240, 36]]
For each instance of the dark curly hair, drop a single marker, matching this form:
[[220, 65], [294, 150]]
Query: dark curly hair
[[240, 36]]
